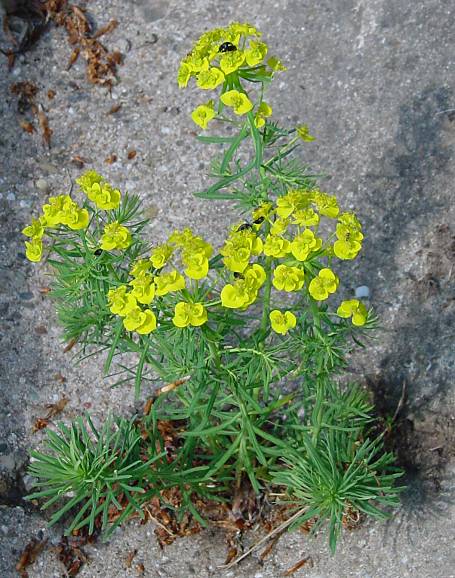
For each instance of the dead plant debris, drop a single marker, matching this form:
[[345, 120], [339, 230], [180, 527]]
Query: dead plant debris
[[101, 63], [26, 92], [53, 410], [30, 553]]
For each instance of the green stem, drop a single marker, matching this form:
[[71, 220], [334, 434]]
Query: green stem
[[267, 294]]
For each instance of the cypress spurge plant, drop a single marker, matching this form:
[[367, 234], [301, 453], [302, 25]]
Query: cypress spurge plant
[[248, 338]]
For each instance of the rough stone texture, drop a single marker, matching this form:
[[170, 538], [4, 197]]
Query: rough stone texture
[[374, 81]]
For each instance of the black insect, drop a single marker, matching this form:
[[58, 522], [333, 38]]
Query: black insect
[[98, 252], [258, 221], [238, 275], [245, 226], [227, 47]]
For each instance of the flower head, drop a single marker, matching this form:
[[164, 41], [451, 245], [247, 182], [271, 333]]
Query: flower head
[[120, 302], [104, 196], [238, 101], [140, 267], [143, 289], [196, 264], [203, 114], [143, 322], [355, 309], [326, 204], [287, 278], [194, 314], [304, 244], [35, 230], [115, 236], [34, 249], [263, 112], [282, 322], [87, 180], [304, 133], [210, 79], [231, 61], [256, 53], [323, 285], [294, 200], [276, 246], [169, 282], [161, 255], [238, 249]]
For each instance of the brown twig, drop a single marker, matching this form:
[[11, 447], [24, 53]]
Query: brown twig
[[277, 530]]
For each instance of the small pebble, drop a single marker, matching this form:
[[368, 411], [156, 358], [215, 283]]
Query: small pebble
[[26, 295], [24, 204], [362, 292], [11, 196], [42, 185]]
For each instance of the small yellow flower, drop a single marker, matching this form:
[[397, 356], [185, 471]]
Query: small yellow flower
[[279, 227], [34, 249], [54, 211], [355, 309], [282, 322], [161, 255], [304, 133], [210, 79], [294, 200], [231, 61], [184, 74], [194, 314], [238, 101], [287, 278], [87, 180], [304, 244], [275, 64], [196, 264], [239, 248], [77, 219], [35, 230], [169, 282], [254, 276], [305, 217], [263, 112], [104, 196], [277, 247], [143, 322], [140, 267], [115, 236], [238, 295], [256, 53], [323, 285], [120, 302], [203, 114], [326, 204], [143, 289]]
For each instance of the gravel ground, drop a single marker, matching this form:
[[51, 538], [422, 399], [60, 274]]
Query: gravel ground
[[374, 79]]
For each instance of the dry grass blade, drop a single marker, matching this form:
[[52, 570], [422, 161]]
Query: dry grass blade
[[300, 564]]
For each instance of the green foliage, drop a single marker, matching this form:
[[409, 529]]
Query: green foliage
[[97, 469]]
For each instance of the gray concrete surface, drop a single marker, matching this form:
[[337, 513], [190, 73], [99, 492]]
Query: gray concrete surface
[[374, 79]]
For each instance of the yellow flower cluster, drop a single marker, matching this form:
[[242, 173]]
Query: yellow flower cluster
[[99, 191], [151, 281], [219, 57], [60, 210]]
